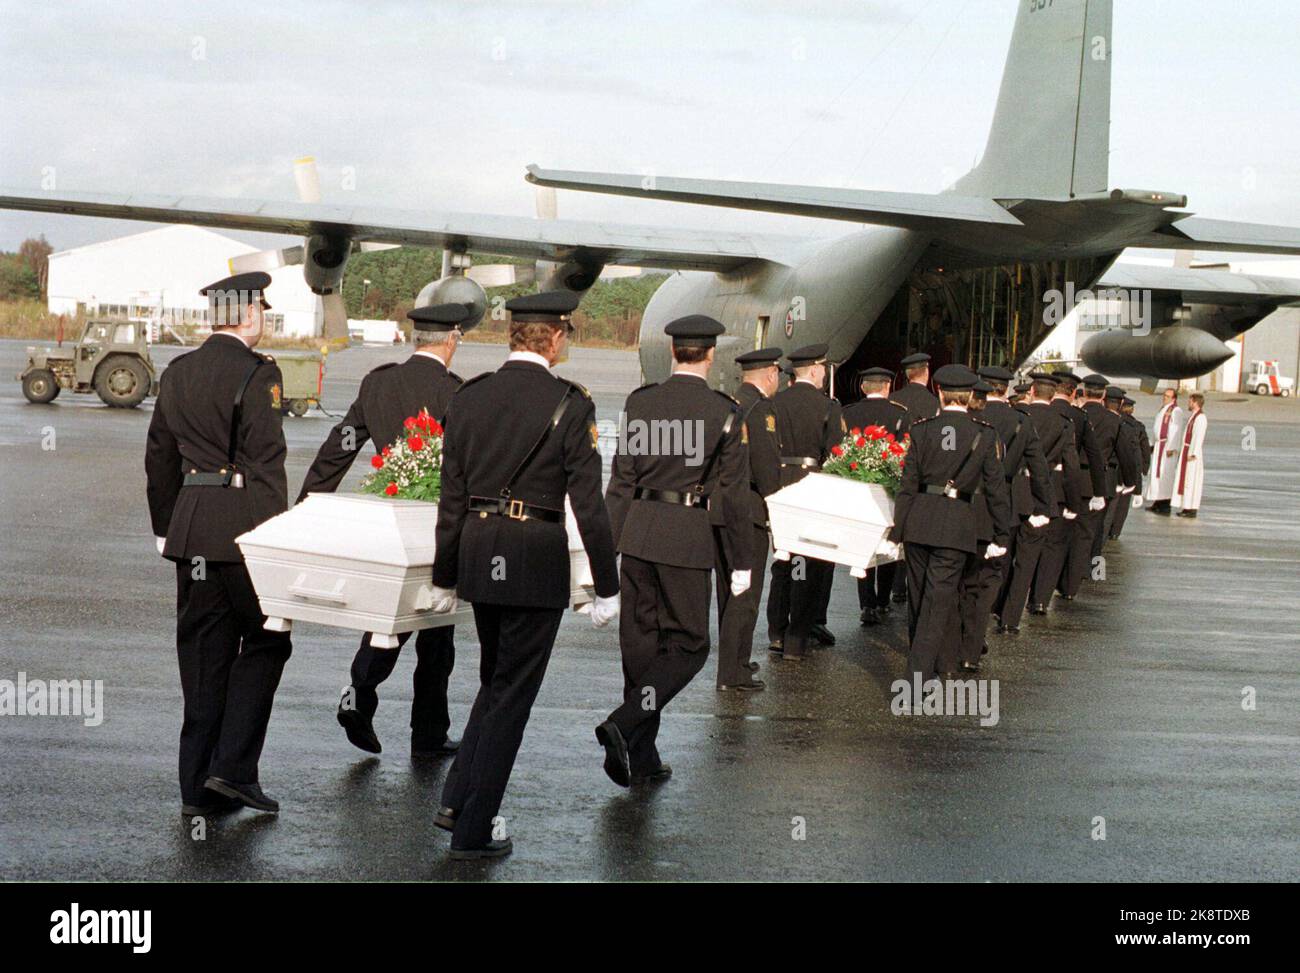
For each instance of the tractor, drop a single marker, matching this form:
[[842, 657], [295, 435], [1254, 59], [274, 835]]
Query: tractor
[[110, 359]]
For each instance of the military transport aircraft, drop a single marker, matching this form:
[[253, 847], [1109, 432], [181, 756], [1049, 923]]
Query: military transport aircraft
[[971, 274]]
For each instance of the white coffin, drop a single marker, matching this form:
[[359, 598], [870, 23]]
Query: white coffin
[[831, 518], [361, 563]]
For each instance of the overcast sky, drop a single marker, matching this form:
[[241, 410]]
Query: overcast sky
[[439, 106]]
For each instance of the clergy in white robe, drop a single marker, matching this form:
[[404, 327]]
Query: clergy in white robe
[[1191, 460], [1166, 444]]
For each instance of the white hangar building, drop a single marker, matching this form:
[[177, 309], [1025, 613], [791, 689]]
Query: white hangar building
[[155, 276]]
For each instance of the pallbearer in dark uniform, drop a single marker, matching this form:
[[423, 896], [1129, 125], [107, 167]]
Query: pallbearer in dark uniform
[[1030, 482], [215, 468], [1092, 485], [808, 424], [1121, 472], [915, 395], [1140, 447], [953, 458], [684, 447], [1033, 574], [388, 396], [737, 616], [517, 441], [876, 409]]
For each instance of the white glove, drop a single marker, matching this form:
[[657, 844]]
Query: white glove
[[1038, 520], [444, 600], [604, 610], [159, 542], [888, 550], [739, 583], [1097, 503], [994, 551], [1068, 514], [1126, 490]]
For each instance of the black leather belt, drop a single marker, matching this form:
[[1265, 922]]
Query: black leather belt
[[514, 509], [225, 478], [950, 492], [669, 496], [807, 462]]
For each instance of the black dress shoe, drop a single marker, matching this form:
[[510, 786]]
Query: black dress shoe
[[753, 686], [822, 635], [249, 795], [777, 646], [446, 818], [970, 667], [445, 749], [869, 616], [1187, 513], [898, 599], [752, 666], [656, 776], [1067, 597], [211, 808], [1038, 609], [493, 849], [360, 731], [616, 761]]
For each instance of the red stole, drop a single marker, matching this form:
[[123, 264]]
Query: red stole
[[1187, 448], [1163, 438]]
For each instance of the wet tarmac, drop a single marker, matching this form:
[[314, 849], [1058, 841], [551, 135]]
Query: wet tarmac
[[1125, 705]]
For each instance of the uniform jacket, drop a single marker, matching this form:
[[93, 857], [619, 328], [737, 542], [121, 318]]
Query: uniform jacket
[[491, 424], [388, 395], [763, 455], [934, 520], [1027, 472], [808, 424], [671, 533], [1117, 457], [190, 431], [1138, 446], [879, 411], [918, 400], [1060, 454], [1092, 464]]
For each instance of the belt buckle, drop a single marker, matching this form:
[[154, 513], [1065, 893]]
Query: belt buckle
[[950, 492], [515, 510]]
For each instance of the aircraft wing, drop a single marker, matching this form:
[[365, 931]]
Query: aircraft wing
[[930, 213], [1203, 285], [558, 240], [1198, 233]]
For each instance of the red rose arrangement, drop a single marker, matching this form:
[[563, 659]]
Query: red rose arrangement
[[870, 455], [410, 468]]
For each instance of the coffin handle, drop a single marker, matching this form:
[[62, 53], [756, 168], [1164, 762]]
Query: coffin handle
[[333, 596], [819, 539]]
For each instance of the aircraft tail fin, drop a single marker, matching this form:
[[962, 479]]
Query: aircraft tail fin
[[1050, 136]]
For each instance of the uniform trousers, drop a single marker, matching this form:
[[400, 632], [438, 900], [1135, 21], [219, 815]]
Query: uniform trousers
[[1079, 560], [516, 645], [874, 590], [1030, 545], [778, 601], [810, 581], [230, 667], [435, 657], [981, 580], [1051, 563], [1103, 521], [933, 580], [664, 637], [1122, 507], [738, 615]]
